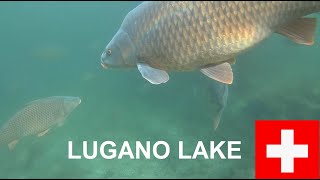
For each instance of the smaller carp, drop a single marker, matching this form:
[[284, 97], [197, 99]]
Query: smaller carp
[[37, 118]]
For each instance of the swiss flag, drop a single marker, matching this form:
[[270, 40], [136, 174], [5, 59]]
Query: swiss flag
[[287, 149]]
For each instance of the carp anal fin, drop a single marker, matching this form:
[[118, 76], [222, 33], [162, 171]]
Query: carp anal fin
[[222, 73], [154, 76], [43, 133], [12, 144], [300, 31]]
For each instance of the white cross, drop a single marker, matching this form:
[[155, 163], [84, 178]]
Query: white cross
[[287, 151]]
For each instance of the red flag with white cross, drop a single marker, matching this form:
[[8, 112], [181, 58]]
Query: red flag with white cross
[[287, 149]]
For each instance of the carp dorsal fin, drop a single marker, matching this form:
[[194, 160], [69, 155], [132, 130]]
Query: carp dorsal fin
[[154, 76], [300, 31], [222, 73]]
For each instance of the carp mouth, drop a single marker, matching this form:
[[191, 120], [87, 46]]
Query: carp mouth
[[104, 65]]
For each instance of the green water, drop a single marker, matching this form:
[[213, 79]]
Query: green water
[[54, 48]]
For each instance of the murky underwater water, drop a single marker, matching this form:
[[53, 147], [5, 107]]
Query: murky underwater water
[[54, 48]]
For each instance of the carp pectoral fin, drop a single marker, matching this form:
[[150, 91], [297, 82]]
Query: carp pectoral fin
[[222, 73], [12, 144], [300, 31], [43, 133], [154, 76]]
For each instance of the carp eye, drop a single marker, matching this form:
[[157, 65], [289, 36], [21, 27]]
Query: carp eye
[[109, 52]]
